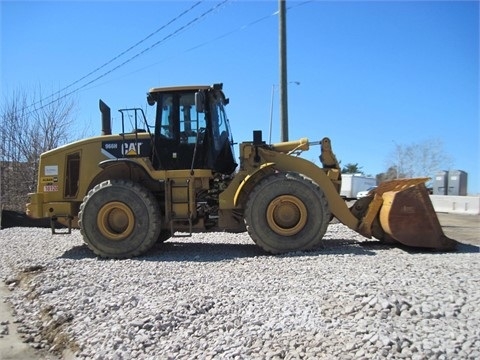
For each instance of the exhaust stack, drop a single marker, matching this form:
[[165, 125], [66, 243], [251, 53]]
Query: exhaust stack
[[106, 125]]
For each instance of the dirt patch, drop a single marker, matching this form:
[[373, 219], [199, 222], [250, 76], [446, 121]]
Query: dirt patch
[[18, 345], [12, 346]]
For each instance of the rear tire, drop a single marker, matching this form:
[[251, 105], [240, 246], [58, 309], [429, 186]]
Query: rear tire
[[286, 212], [119, 219]]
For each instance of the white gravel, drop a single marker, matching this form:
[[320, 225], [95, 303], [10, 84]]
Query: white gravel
[[217, 295]]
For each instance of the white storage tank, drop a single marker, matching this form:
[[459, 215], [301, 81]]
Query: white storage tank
[[440, 184], [457, 183]]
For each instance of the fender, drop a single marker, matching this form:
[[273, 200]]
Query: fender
[[123, 168], [337, 205], [250, 180], [109, 162]]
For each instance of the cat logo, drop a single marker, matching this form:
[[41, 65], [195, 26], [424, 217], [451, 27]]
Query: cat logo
[[132, 149], [119, 148]]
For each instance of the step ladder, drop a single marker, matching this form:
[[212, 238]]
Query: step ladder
[[56, 231], [178, 201]]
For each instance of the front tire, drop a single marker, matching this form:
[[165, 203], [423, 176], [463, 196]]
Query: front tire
[[286, 212], [119, 219]]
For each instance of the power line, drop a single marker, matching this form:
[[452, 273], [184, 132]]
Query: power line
[[176, 32], [241, 28], [116, 57], [191, 22]]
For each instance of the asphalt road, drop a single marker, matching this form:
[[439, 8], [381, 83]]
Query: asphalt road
[[463, 228]]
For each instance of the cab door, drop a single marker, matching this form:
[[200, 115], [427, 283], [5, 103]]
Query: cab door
[[179, 133]]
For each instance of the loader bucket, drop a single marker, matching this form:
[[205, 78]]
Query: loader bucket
[[401, 210]]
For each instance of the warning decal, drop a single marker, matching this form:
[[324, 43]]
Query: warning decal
[[49, 179], [50, 188]]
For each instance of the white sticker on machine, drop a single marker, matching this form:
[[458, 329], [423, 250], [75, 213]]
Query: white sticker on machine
[[51, 170], [50, 188]]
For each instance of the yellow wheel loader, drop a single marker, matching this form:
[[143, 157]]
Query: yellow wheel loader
[[180, 175]]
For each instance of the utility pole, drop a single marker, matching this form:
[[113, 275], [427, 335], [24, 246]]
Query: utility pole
[[282, 25], [1, 173], [274, 86]]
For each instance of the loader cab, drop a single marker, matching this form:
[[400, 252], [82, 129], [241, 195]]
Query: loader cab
[[192, 129]]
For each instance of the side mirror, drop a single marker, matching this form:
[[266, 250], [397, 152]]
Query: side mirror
[[150, 99], [200, 101]]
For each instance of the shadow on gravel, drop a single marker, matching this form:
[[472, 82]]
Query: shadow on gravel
[[350, 247], [207, 252], [461, 249], [173, 251], [176, 251], [201, 252], [78, 252], [467, 248]]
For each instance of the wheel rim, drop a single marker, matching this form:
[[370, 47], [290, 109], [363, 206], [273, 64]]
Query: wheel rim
[[115, 220], [286, 215]]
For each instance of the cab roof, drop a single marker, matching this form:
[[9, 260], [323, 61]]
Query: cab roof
[[179, 88]]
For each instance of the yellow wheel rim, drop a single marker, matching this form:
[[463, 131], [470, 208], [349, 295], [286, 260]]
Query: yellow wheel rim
[[115, 220], [286, 215]]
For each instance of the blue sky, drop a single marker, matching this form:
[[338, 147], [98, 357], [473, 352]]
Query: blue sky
[[372, 74]]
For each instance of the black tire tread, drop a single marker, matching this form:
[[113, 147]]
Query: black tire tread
[[154, 215], [268, 185]]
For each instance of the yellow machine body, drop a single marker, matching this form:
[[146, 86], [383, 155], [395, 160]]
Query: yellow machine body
[[127, 191]]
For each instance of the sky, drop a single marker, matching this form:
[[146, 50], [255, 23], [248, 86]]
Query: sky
[[370, 75]]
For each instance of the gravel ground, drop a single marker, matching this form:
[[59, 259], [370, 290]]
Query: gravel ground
[[219, 296]]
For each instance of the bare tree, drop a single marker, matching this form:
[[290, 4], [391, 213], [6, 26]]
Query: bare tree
[[391, 173], [420, 159], [27, 131]]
